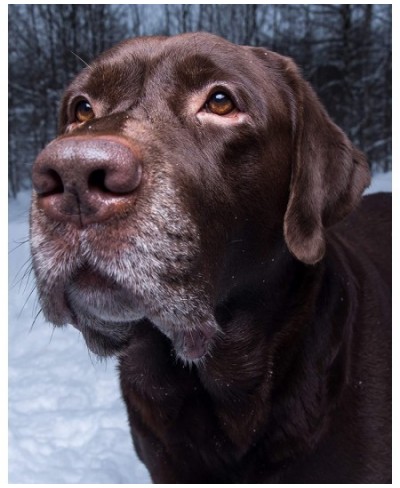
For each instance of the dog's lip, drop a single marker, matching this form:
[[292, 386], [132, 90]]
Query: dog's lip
[[96, 295], [88, 278]]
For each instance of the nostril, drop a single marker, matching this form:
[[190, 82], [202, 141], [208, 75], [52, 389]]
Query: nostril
[[48, 182], [57, 185], [114, 180], [96, 181]]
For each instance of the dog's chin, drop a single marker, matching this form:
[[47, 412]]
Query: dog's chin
[[103, 311], [107, 312], [105, 340]]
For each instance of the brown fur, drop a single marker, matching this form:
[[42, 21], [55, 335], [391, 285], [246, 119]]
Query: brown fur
[[228, 261]]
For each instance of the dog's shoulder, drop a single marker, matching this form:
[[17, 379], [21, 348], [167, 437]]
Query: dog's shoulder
[[366, 235]]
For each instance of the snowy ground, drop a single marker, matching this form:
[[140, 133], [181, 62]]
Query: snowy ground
[[64, 405]]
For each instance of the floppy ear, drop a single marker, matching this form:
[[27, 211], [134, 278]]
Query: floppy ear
[[328, 173]]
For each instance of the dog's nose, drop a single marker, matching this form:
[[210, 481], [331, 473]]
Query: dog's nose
[[86, 180]]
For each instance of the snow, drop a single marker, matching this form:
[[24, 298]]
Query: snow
[[65, 408], [380, 182]]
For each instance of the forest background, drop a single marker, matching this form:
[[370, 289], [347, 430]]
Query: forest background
[[345, 51]]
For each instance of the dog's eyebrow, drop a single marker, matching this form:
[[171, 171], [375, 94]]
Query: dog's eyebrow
[[197, 70]]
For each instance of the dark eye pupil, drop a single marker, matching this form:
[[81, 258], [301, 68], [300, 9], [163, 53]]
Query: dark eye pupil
[[220, 98], [84, 107]]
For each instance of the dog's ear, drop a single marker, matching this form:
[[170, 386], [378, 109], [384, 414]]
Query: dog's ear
[[328, 173]]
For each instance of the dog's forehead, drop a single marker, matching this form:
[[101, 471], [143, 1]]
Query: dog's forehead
[[185, 58], [157, 48]]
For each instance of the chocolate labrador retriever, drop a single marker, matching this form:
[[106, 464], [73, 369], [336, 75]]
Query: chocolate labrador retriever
[[200, 217]]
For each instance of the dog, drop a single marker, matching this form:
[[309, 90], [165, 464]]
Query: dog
[[200, 217]]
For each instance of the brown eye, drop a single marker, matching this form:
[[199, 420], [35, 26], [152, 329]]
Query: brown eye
[[220, 103], [83, 111]]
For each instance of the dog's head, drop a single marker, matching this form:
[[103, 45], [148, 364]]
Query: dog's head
[[182, 165]]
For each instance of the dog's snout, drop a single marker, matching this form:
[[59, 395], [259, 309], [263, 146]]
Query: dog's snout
[[86, 180]]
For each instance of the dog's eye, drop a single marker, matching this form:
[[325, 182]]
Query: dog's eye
[[220, 103], [83, 111]]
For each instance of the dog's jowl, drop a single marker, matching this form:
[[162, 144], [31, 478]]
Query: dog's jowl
[[200, 216]]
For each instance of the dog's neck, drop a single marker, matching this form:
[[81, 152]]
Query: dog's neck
[[262, 361], [252, 384]]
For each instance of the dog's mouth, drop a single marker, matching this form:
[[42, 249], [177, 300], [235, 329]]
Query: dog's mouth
[[96, 295], [106, 312]]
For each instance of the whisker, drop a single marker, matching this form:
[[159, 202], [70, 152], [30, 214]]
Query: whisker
[[27, 277], [26, 301], [19, 244], [27, 268], [80, 59], [91, 357], [34, 321], [52, 332]]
